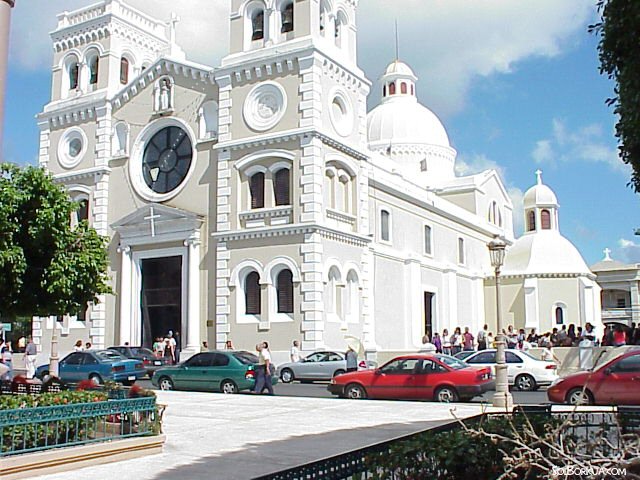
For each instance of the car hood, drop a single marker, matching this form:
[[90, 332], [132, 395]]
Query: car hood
[[362, 376]]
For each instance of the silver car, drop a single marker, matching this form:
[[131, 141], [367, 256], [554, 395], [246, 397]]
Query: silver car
[[318, 366]]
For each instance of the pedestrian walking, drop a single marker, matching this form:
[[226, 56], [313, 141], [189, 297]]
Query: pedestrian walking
[[294, 353], [7, 361], [352, 359], [265, 369], [482, 338], [30, 356]]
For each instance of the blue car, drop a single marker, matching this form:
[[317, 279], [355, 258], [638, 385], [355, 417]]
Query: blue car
[[98, 366]]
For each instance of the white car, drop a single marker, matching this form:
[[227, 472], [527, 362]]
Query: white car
[[524, 372]]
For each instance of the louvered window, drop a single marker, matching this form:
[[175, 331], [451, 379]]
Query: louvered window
[[281, 187], [93, 70], [124, 71], [531, 221], [257, 190], [287, 18], [285, 291], [252, 294], [74, 74], [257, 23], [545, 220]]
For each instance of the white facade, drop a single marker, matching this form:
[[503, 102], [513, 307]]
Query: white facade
[[258, 200], [620, 285]]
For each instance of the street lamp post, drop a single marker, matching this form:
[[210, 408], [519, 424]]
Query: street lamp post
[[502, 398]]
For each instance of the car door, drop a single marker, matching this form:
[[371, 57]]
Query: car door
[[310, 367], [515, 366], [428, 374], [622, 382], [216, 370], [484, 359], [186, 375], [396, 379], [329, 364], [89, 365], [69, 367]]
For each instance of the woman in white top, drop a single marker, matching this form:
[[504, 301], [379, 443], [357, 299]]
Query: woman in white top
[[446, 342], [78, 346]]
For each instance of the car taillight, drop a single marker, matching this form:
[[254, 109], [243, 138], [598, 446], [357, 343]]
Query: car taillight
[[119, 368], [250, 374], [551, 366], [146, 361]]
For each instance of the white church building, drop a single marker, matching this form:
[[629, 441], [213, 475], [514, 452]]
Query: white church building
[[258, 200]]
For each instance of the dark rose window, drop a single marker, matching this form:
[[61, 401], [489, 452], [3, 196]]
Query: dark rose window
[[167, 158]]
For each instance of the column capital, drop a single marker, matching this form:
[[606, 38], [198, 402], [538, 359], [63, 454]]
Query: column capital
[[124, 248], [12, 3]]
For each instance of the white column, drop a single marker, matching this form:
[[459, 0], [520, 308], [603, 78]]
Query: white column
[[126, 265], [193, 295], [635, 302]]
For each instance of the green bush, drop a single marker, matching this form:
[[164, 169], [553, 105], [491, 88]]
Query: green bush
[[452, 455], [10, 402]]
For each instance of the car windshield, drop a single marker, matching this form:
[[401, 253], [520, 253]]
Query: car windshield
[[246, 358], [452, 362], [109, 356]]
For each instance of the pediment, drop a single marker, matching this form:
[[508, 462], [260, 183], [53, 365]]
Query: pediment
[[155, 223]]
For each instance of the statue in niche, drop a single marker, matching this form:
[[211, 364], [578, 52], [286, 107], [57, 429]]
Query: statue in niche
[[163, 93]]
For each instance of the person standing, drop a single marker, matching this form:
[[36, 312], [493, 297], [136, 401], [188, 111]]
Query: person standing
[[177, 346], [87, 346], [168, 351], [482, 338], [294, 353], [437, 341], [446, 342], [30, 356], [456, 341], [228, 345], [352, 359], [467, 339], [7, 361], [78, 346]]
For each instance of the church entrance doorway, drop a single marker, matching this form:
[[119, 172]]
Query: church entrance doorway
[[161, 297], [428, 313]]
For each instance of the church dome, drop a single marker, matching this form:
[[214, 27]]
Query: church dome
[[400, 119], [545, 252], [539, 195]]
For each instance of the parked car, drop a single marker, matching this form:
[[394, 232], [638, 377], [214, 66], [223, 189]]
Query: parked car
[[218, 371], [145, 355], [420, 376], [524, 372], [616, 382], [98, 366], [318, 366]]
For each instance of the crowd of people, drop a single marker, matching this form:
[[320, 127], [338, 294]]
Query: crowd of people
[[168, 347], [565, 336]]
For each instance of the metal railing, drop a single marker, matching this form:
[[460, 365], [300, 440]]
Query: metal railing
[[357, 464], [41, 428]]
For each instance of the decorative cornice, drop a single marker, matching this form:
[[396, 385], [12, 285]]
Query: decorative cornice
[[544, 275], [289, 230], [95, 172], [280, 137]]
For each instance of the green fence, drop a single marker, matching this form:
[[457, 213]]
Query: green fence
[[25, 430]]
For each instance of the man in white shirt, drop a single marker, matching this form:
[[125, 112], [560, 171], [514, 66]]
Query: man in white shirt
[[263, 373], [294, 354]]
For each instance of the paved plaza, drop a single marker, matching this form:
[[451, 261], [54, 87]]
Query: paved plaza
[[229, 437]]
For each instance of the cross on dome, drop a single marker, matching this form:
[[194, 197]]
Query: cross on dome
[[607, 255], [539, 176], [172, 26]]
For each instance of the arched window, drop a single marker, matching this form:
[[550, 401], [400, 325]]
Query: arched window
[[392, 88], [384, 90], [74, 75], [94, 62], [413, 90], [385, 226], [353, 297], [124, 70], [545, 220], [324, 17], [284, 287], [256, 187], [120, 139], [287, 18], [331, 297], [531, 221], [252, 294], [559, 316], [257, 25], [428, 242], [281, 187], [82, 211], [209, 119], [403, 88], [461, 251]]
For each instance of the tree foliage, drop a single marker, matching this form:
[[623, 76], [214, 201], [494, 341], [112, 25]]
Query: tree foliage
[[47, 266], [619, 50]]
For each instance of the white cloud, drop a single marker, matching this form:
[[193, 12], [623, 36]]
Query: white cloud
[[628, 251], [586, 144], [448, 42]]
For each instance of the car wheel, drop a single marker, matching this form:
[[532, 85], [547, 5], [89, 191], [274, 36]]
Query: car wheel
[[287, 376], [165, 383], [338, 372], [578, 396], [355, 391], [44, 375], [96, 379], [446, 395], [525, 383], [229, 387]]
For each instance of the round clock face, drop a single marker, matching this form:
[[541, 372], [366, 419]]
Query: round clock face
[[166, 160]]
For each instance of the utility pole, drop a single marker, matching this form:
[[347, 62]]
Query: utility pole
[[5, 22]]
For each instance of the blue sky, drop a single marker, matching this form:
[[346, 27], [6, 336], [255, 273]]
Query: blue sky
[[515, 83]]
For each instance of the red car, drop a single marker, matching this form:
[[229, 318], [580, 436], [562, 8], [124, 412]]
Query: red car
[[419, 376], [616, 382]]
